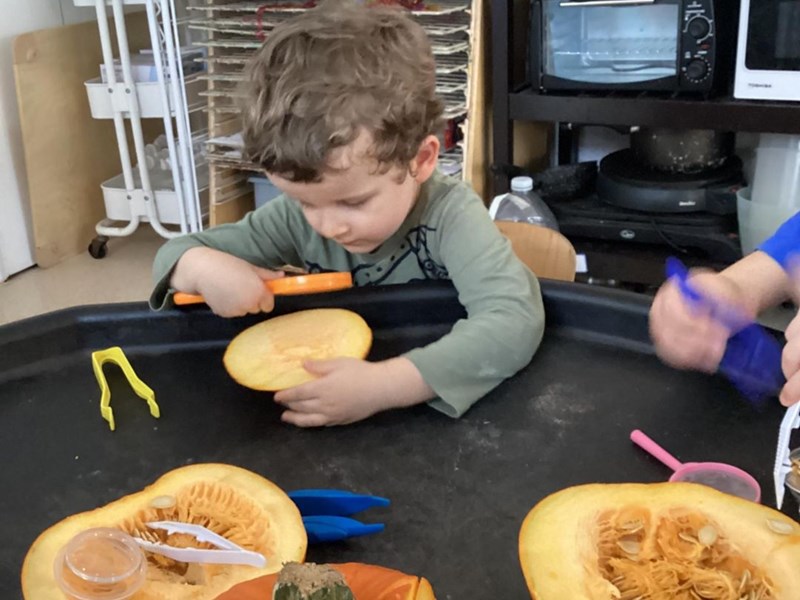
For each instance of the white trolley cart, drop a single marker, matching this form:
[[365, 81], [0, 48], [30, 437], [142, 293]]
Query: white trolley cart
[[167, 190]]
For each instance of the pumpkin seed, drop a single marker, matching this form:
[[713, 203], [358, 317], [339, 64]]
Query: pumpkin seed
[[707, 535], [629, 546], [163, 502], [632, 526], [195, 574], [780, 527], [686, 537]]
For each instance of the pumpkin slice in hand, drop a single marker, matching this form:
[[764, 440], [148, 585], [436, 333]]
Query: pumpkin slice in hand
[[365, 582], [670, 541], [233, 502], [269, 356]]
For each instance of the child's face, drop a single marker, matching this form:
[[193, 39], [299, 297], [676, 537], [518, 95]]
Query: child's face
[[355, 205]]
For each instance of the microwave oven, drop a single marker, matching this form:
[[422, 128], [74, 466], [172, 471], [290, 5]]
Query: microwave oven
[[768, 55], [642, 45]]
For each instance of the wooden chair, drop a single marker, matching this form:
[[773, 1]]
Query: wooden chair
[[545, 252]]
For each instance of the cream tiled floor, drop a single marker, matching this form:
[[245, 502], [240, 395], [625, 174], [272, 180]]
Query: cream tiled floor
[[122, 276]]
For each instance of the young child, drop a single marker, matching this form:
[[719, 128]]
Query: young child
[[342, 115], [688, 338]]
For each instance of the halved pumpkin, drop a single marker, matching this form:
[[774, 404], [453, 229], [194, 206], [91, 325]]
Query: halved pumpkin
[[667, 541], [367, 582], [269, 356], [240, 505]]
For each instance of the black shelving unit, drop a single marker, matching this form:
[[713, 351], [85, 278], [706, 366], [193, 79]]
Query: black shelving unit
[[614, 109], [676, 112]]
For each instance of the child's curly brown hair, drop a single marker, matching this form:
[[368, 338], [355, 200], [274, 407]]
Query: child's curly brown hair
[[327, 75]]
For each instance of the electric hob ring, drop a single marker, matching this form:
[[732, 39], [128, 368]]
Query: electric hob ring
[[624, 182]]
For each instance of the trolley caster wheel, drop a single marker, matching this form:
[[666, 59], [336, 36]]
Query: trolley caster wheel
[[99, 247]]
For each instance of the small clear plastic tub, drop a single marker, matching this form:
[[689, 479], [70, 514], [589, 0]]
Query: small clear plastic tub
[[100, 564]]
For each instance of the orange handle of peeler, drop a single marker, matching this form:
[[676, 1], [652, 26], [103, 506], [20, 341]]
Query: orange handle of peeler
[[288, 286]]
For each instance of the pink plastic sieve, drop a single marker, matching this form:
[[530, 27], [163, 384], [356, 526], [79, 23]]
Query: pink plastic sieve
[[722, 477]]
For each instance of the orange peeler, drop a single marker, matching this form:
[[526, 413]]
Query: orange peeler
[[289, 286]]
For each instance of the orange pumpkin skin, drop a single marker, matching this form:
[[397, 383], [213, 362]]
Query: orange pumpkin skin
[[368, 582]]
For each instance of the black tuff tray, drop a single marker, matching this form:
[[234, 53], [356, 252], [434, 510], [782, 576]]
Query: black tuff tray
[[459, 488]]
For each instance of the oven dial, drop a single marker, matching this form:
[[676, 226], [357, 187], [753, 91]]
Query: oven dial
[[697, 70], [699, 28]]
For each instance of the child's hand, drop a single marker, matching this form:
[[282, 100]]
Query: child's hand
[[687, 337], [231, 287], [791, 354], [349, 390]]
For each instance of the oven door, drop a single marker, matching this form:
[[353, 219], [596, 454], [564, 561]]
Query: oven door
[[768, 57], [773, 35], [609, 44]]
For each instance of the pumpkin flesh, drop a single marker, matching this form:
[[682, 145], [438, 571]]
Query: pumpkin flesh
[[269, 356], [670, 541], [233, 502]]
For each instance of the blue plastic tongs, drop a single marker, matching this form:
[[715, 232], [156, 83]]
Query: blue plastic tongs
[[752, 359], [326, 513]]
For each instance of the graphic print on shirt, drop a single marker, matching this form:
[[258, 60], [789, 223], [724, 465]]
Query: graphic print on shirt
[[414, 248], [418, 240]]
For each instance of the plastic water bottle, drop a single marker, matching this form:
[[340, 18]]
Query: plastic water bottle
[[522, 204]]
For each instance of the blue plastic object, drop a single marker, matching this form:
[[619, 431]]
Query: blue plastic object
[[334, 502], [326, 513], [330, 528], [752, 359]]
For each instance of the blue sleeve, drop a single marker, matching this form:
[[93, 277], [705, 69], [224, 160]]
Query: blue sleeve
[[785, 243]]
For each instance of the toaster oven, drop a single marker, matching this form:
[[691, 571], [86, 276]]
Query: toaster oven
[[672, 45]]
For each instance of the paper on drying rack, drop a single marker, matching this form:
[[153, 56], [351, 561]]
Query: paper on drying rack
[[252, 19], [238, 28], [232, 141], [439, 7], [783, 466]]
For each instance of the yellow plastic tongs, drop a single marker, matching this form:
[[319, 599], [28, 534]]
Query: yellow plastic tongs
[[226, 552], [117, 356]]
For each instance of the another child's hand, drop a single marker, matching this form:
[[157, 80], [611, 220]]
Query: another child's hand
[[349, 390], [791, 354], [687, 337], [231, 287]]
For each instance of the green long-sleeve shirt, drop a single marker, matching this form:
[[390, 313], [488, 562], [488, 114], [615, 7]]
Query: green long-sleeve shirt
[[447, 235]]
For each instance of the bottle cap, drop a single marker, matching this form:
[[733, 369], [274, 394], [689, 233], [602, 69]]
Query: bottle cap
[[521, 184]]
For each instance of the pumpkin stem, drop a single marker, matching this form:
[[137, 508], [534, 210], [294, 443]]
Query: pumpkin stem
[[310, 581]]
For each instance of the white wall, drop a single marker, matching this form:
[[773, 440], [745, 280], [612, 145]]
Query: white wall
[[72, 14], [16, 239]]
